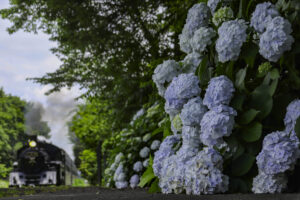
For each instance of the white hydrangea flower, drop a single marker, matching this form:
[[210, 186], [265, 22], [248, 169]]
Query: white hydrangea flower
[[164, 73], [202, 39], [232, 35], [119, 157]]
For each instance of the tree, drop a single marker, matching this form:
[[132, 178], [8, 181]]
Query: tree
[[105, 45]]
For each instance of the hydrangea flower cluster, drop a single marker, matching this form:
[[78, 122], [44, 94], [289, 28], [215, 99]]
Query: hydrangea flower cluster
[[262, 16], [138, 166], [164, 73], [292, 114], [219, 92], [222, 15], [279, 154], [219, 120], [232, 35], [202, 38], [198, 16], [155, 144], [165, 150], [144, 152], [134, 181], [204, 173], [276, 39], [120, 177], [274, 31], [192, 112], [182, 88]]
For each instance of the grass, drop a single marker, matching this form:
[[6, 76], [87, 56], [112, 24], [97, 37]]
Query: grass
[[79, 182], [4, 184]]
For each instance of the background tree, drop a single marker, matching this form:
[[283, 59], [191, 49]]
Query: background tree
[[105, 46]]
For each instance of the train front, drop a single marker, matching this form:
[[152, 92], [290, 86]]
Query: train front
[[32, 167]]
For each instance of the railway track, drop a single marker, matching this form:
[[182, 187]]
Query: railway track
[[95, 193]]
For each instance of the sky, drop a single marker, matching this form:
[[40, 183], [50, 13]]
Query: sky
[[24, 55]]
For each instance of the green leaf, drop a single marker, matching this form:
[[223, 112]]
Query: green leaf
[[240, 79], [242, 165], [241, 8], [154, 188], [249, 53], [238, 101], [252, 132], [248, 116], [248, 7], [297, 127], [261, 100], [203, 72], [229, 69], [167, 127], [147, 177], [156, 131]]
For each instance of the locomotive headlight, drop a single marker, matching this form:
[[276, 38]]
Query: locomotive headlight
[[32, 144]]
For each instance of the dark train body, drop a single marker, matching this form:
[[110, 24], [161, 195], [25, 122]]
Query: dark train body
[[42, 163]]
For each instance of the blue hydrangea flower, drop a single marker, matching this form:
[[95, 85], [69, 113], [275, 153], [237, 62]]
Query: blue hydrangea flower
[[190, 136], [192, 112], [292, 114], [144, 152], [232, 35], [198, 16], [164, 73], [216, 124], [263, 15], [172, 176], [212, 4], [134, 181], [202, 39], [219, 91], [119, 157], [276, 39], [264, 183], [155, 145], [165, 151], [182, 88], [146, 162], [279, 153], [204, 174], [138, 166], [191, 63], [121, 184]]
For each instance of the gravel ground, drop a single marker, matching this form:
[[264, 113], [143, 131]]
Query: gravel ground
[[94, 193]]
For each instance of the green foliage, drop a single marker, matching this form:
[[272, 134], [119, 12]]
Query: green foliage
[[79, 182], [4, 184], [242, 164], [88, 166], [297, 127], [147, 176]]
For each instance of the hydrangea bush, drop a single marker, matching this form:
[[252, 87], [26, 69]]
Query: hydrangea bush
[[231, 101], [231, 115]]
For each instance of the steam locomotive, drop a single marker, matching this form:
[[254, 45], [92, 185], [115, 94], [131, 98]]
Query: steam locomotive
[[42, 163]]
